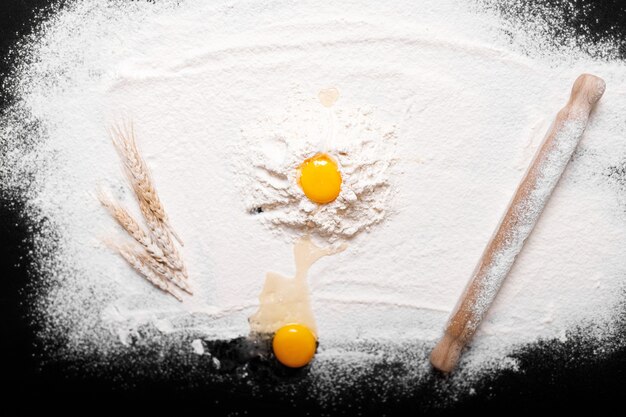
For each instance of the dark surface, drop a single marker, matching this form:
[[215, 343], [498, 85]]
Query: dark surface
[[553, 377]]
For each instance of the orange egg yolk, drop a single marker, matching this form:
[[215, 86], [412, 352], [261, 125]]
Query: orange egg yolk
[[294, 345], [320, 179]]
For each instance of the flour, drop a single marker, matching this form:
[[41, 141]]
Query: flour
[[276, 145], [439, 114]]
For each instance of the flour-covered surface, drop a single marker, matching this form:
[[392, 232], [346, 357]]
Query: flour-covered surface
[[453, 96]]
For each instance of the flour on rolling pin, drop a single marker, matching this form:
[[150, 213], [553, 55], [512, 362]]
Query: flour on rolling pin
[[550, 169], [519, 220]]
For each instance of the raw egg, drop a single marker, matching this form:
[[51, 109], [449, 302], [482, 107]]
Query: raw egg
[[294, 345], [320, 179]]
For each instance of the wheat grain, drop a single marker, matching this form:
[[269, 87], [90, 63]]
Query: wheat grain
[[138, 263], [162, 239], [174, 276], [137, 171], [132, 227], [158, 260]]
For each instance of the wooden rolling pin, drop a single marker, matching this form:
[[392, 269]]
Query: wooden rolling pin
[[520, 218]]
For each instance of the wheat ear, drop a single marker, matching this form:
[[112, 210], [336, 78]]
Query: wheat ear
[[139, 264], [123, 138], [162, 239], [131, 226], [176, 277]]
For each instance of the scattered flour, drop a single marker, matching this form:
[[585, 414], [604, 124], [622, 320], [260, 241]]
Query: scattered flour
[[197, 346], [457, 111]]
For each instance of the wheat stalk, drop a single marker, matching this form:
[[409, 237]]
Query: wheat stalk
[[176, 277], [162, 239], [158, 260], [131, 226], [137, 171], [138, 262]]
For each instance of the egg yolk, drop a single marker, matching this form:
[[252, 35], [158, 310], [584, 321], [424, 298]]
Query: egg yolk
[[294, 345], [320, 179]]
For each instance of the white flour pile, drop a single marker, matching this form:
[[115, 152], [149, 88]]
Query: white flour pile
[[457, 106], [275, 146]]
